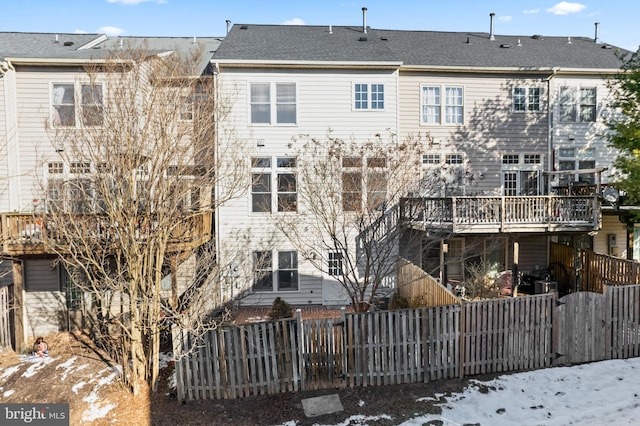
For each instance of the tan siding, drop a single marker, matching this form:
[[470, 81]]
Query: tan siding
[[490, 128], [611, 225], [33, 88]]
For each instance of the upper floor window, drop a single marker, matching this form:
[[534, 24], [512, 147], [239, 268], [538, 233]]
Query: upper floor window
[[364, 183], [368, 96], [526, 99], [75, 105], [577, 105], [438, 110], [282, 177], [273, 103]]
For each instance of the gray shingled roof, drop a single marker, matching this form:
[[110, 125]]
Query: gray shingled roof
[[81, 46], [44, 45], [420, 48]]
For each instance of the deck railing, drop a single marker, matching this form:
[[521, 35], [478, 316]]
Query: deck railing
[[544, 213], [33, 234]]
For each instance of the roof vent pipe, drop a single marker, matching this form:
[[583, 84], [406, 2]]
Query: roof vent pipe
[[228, 21], [491, 36], [595, 38], [364, 20], [330, 29], [57, 40]]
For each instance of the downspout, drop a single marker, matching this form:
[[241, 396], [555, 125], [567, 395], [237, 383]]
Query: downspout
[[550, 159], [216, 189]]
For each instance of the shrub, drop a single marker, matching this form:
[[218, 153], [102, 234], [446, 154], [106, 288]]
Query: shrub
[[398, 302], [280, 310]]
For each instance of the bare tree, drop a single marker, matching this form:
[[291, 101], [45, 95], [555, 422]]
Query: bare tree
[[347, 224], [130, 196]]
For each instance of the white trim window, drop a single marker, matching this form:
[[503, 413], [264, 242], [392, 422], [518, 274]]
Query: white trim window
[[77, 104], [368, 96], [282, 178], [334, 263], [444, 174], [577, 104], [284, 278], [447, 110], [521, 174], [265, 108], [364, 183], [572, 158], [526, 99], [72, 191]]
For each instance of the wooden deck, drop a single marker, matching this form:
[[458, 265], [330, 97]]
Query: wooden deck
[[26, 234], [486, 214]]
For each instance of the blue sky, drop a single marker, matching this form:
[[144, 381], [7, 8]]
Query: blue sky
[[618, 19]]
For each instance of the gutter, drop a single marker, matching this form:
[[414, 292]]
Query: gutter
[[306, 64]]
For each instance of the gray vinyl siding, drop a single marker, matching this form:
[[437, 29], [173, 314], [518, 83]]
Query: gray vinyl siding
[[41, 275], [490, 127], [44, 304]]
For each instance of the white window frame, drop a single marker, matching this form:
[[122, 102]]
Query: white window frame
[[369, 169], [276, 270], [78, 104], [373, 99], [273, 102], [529, 97], [447, 168], [335, 266], [444, 112], [277, 168], [572, 102], [515, 171], [578, 158]]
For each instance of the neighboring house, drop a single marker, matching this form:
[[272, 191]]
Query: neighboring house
[[43, 80], [514, 146]]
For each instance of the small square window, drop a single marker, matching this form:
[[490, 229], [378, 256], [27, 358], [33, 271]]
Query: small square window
[[55, 168]]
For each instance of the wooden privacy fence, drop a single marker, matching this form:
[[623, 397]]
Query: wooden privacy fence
[[595, 270], [420, 288], [366, 349]]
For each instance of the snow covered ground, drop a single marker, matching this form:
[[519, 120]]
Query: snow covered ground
[[601, 393]]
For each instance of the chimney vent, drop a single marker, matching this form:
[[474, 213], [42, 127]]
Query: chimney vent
[[491, 36], [595, 38], [228, 21], [364, 20]]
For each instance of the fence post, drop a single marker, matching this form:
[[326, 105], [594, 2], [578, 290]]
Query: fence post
[[301, 342], [462, 338], [343, 318], [176, 338]]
